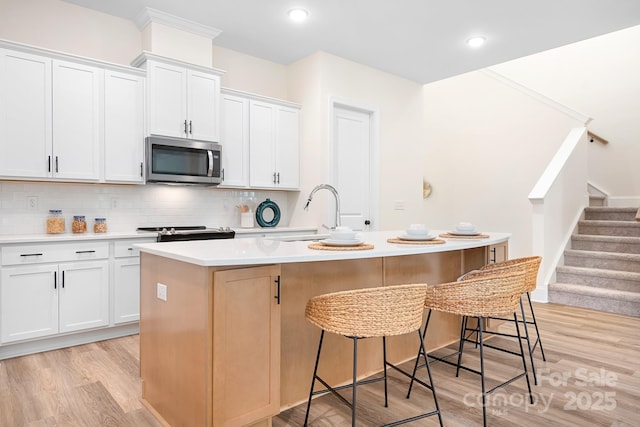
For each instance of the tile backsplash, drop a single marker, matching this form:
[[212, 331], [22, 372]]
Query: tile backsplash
[[24, 205]]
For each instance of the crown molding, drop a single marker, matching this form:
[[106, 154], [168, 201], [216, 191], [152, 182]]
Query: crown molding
[[149, 15]]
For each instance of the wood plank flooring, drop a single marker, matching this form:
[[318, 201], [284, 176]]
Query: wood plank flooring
[[591, 378]]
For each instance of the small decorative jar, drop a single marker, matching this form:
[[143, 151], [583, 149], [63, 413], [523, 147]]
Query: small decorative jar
[[79, 225], [55, 222], [100, 225]]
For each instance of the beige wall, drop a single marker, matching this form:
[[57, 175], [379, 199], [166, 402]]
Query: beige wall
[[599, 78], [54, 24], [313, 81], [487, 145]]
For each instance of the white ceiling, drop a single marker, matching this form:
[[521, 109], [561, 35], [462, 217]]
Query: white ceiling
[[421, 40]]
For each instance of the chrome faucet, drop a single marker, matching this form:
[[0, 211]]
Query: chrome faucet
[[335, 194]]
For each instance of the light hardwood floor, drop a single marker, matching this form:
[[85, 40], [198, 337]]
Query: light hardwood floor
[[591, 378]]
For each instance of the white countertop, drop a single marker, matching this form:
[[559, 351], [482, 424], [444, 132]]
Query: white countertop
[[71, 237], [264, 250]]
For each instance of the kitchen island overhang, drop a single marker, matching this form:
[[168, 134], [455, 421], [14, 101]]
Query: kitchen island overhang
[[230, 344]]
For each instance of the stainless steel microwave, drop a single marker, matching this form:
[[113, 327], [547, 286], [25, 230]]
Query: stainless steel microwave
[[184, 161]]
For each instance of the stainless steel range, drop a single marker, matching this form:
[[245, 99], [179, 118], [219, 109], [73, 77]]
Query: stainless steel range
[[199, 232]]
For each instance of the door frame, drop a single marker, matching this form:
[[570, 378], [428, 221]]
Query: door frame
[[374, 152]]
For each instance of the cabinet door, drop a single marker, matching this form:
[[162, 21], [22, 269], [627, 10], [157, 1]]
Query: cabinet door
[[167, 99], [77, 116], [203, 93], [25, 114], [123, 127], [126, 288], [234, 135], [84, 295], [287, 147], [262, 144], [498, 253], [246, 345], [28, 302]]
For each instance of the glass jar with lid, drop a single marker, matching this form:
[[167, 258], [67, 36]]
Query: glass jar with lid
[[79, 224], [55, 222], [100, 225]]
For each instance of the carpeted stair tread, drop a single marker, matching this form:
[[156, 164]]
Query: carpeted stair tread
[[620, 302], [607, 279], [597, 292]]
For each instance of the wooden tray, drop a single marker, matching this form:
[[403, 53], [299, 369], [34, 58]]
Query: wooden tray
[[323, 247], [416, 242]]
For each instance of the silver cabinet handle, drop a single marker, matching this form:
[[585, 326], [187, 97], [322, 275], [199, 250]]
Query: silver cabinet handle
[[56, 164], [25, 255], [85, 252], [190, 127], [274, 177], [185, 127], [278, 178]]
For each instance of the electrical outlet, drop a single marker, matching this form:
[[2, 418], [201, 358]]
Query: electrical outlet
[[114, 203], [398, 205], [161, 291], [32, 203]]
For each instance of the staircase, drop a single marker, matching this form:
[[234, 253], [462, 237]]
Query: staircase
[[602, 269]]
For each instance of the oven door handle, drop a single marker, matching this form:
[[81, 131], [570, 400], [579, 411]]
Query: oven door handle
[[210, 156]]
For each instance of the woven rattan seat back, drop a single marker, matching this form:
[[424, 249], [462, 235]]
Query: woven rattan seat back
[[490, 296], [531, 265], [372, 312]]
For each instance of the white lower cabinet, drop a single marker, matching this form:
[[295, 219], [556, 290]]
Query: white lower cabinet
[[42, 300], [126, 281], [28, 302]]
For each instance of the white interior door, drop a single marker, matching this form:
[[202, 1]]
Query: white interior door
[[352, 159]]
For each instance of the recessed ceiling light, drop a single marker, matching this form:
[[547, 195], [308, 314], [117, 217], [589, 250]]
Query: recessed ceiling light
[[298, 15], [476, 41]]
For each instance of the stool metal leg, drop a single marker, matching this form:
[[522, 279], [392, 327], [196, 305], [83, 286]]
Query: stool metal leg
[[355, 379], [415, 367], [524, 363], [526, 334], [384, 362], [535, 324], [315, 375], [484, 394], [463, 329]]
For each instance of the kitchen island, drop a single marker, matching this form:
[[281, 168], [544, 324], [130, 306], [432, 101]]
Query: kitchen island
[[223, 337]]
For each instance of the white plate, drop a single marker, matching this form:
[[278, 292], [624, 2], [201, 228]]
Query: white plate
[[416, 237], [340, 242], [464, 233]]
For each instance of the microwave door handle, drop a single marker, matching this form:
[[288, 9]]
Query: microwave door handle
[[210, 156]]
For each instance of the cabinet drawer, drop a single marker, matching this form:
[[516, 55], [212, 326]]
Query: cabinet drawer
[[31, 254], [126, 248]]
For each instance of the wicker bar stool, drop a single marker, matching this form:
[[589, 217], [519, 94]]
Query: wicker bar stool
[[480, 298], [531, 265], [367, 313]]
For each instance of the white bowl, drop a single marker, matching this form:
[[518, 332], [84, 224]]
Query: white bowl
[[342, 233], [465, 226], [417, 230]]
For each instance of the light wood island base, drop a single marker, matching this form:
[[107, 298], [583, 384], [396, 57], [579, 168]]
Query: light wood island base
[[231, 347]]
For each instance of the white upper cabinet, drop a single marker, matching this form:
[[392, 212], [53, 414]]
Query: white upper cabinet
[[25, 114], [77, 113], [234, 136], [274, 138], [183, 99], [123, 127], [66, 118]]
